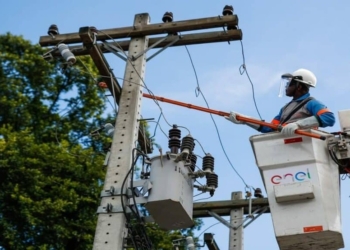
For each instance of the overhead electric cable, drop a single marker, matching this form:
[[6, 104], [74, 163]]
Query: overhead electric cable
[[216, 127]]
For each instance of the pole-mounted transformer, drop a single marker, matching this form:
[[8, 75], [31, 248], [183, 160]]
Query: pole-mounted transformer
[[169, 185]]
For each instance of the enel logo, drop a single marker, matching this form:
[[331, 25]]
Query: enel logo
[[289, 177]]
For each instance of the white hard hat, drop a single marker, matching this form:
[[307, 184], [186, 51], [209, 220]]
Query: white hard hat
[[304, 76]]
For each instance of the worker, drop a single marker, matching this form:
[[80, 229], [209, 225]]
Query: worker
[[302, 112]]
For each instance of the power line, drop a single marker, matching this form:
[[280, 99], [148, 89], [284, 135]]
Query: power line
[[161, 114], [242, 70], [216, 127]]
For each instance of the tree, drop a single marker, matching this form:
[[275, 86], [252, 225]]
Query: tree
[[49, 196], [50, 173], [51, 170], [164, 240]]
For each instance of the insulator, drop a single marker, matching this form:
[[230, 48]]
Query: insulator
[[174, 145], [53, 30], [228, 10], [190, 243], [187, 143], [93, 29], [66, 53], [208, 163], [193, 159], [174, 139], [175, 132], [167, 17], [258, 193], [109, 128], [212, 181]]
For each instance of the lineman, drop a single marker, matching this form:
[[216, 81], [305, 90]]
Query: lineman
[[302, 112]]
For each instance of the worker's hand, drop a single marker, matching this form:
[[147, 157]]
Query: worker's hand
[[289, 129], [233, 118]]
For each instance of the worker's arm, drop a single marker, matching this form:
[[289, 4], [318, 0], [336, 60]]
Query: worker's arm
[[323, 115], [257, 127], [276, 121]]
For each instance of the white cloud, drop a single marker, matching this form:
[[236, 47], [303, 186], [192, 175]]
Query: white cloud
[[226, 87]]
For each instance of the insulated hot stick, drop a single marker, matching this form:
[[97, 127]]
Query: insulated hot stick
[[239, 118]]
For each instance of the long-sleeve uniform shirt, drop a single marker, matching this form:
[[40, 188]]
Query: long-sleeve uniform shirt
[[312, 108]]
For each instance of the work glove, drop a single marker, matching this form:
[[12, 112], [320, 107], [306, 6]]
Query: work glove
[[289, 129], [233, 119], [309, 122]]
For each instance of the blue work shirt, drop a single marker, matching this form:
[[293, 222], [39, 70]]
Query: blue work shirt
[[312, 108]]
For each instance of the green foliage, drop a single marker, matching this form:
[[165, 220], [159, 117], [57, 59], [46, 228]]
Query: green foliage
[[49, 196], [34, 94], [51, 170], [164, 239]]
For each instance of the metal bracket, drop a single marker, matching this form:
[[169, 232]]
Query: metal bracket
[[164, 48], [150, 47], [105, 163], [258, 211], [146, 187], [114, 192], [48, 55], [109, 208], [138, 200], [145, 184], [115, 50], [139, 183], [154, 45]]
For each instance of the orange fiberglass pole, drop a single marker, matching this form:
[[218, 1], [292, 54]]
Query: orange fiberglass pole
[[239, 118]]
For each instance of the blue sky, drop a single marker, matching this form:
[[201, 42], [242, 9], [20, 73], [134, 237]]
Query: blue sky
[[278, 37]]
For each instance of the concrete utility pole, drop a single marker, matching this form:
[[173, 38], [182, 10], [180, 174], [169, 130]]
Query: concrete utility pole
[[236, 218], [111, 231]]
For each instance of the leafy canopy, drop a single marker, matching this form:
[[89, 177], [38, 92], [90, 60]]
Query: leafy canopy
[[51, 170]]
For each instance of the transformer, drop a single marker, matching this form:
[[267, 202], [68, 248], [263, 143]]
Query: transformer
[[170, 201], [167, 183]]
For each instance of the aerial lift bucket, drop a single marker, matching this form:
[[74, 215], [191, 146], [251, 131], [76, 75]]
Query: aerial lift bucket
[[302, 186]]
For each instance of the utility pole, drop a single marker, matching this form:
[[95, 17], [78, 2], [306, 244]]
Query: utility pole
[[224, 208], [236, 218], [111, 232], [236, 208]]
